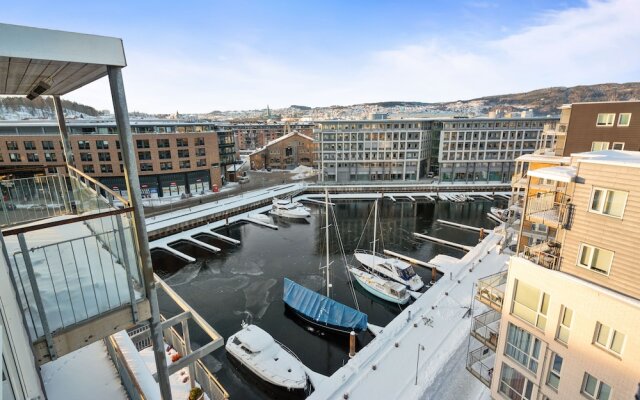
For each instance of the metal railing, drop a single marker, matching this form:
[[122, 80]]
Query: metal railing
[[490, 290], [546, 254], [486, 327], [31, 199], [550, 207], [479, 367], [127, 376]]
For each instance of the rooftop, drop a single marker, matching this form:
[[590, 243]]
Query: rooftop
[[557, 173], [609, 157]]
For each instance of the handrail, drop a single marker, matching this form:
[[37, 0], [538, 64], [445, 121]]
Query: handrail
[[101, 185], [113, 344]]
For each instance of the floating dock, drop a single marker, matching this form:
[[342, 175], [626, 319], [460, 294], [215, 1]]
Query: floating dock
[[258, 222], [223, 237], [442, 241], [461, 226]]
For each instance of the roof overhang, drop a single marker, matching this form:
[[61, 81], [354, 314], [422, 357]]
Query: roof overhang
[[559, 173], [63, 61]]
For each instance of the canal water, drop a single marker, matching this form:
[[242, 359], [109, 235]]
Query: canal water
[[245, 282]]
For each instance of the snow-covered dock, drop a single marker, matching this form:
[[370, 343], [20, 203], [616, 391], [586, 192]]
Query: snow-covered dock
[[442, 241], [461, 226], [437, 323]]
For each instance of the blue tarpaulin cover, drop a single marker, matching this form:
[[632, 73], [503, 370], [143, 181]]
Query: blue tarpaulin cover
[[322, 309]]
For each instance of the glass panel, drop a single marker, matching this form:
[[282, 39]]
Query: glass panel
[[545, 304], [566, 318], [585, 255], [614, 204], [563, 334], [603, 335], [595, 203], [605, 391], [616, 343], [590, 385], [525, 313], [556, 365], [527, 295], [602, 260]]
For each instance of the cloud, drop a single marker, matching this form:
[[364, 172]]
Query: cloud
[[598, 42]]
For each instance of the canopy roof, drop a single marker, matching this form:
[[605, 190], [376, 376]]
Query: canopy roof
[[559, 174], [63, 61]]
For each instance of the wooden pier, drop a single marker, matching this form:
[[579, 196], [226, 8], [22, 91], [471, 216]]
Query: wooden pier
[[442, 241], [462, 226]]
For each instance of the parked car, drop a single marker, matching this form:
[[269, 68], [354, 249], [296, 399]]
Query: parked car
[[244, 179], [38, 207], [10, 206]]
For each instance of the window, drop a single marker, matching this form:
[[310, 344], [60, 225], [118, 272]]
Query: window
[[144, 155], [530, 304], [201, 162], [200, 140], [88, 169], [104, 156], [84, 145], [86, 157], [106, 168], [553, 379], [183, 153], [608, 202], [605, 119], [182, 142], [624, 119], [164, 154], [200, 152], [513, 384], [50, 157], [142, 144], [33, 157], [164, 166], [594, 388], [564, 325], [595, 259], [162, 143], [523, 347], [47, 145], [617, 146], [145, 167], [185, 164], [15, 157], [596, 146], [102, 145], [29, 145], [12, 145], [609, 338]]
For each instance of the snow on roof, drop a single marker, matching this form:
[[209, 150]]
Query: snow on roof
[[559, 173], [254, 338], [610, 157], [544, 158], [281, 138]]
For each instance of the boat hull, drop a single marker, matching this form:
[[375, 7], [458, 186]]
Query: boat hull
[[369, 261], [378, 293], [317, 324]]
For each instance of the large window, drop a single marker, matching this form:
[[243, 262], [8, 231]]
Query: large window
[[624, 119], [86, 157], [47, 145], [12, 145], [605, 119], [104, 156], [29, 145], [596, 146], [617, 146], [564, 325], [594, 388], [163, 143], [102, 145], [84, 145], [523, 347], [142, 143], [595, 259], [555, 366], [530, 304], [513, 384], [608, 202], [609, 338]]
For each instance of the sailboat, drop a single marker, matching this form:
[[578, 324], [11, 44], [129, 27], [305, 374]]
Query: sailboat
[[387, 267], [320, 310]]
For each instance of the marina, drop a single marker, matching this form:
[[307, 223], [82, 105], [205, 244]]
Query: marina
[[243, 281]]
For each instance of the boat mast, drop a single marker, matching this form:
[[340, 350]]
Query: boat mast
[[326, 223], [375, 227]]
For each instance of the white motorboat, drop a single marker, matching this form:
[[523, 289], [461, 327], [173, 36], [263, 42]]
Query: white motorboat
[[267, 358], [287, 209], [260, 217], [388, 267], [383, 288]]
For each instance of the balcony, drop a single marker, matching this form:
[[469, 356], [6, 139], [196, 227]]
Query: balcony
[[490, 290], [486, 327], [77, 276], [548, 208], [480, 364], [546, 254]]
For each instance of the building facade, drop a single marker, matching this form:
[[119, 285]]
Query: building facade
[[565, 317], [286, 152], [485, 149], [173, 157], [252, 136], [368, 150]]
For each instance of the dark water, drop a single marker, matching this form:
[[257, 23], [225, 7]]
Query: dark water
[[245, 282]]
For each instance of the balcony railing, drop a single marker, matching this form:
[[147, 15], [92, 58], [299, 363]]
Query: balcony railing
[[549, 208], [480, 363], [546, 254], [486, 327], [490, 290], [31, 199]]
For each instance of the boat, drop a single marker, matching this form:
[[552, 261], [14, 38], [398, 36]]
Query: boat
[[388, 267], [287, 209], [500, 213], [264, 356], [385, 289], [260, 217], [320, 310]]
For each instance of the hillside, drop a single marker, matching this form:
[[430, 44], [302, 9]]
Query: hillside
[[12, 108]]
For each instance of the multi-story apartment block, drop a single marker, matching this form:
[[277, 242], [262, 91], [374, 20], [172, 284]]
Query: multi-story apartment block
[[286, 152], [485, 149], [174, 157], [369, 150], [565, 317], [252, 136]]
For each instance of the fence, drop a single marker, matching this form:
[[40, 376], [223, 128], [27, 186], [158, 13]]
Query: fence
[[490, 290], [486, 328], [30, 199], [478, 366]]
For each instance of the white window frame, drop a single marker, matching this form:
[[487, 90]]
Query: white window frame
[[526, 387], [610, 336], [620, 117], [613, 146], [610, 119], [562, 326], [554, 372], [598, 387], [540, 316], [531, 362], [603, 201], [593, 145], [589, 267]]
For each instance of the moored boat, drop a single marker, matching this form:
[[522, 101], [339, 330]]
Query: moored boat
[[385, 289], [287, 209]]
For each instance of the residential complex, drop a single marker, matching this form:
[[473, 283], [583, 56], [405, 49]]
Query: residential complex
[[286, 152], [374, 150], [174, 157], [252, 136]]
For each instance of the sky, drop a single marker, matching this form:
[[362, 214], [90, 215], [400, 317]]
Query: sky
[[200, 56]]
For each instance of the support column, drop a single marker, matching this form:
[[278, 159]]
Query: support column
[[135, 198], [66, 145]]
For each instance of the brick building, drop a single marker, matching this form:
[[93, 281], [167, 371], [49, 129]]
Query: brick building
[[286, 152], [251, 136]]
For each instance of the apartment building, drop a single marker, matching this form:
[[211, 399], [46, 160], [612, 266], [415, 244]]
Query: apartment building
[[252, 136], [286, 152], [485, 149], [174, 157], [564, 319], [373, 150]]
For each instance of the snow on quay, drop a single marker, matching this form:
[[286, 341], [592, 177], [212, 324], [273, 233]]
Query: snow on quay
[[438, 322]]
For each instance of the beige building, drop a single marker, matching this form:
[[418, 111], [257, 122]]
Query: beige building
[[565, 320], [286, 152]]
